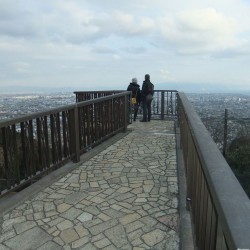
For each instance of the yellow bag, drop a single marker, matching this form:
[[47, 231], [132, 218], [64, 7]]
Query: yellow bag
[[133, 100]]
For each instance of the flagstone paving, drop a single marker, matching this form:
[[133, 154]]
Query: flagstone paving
[[125, 197]]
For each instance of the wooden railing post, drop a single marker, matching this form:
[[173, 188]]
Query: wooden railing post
[[125, 113], [162, 105], [75, 142]]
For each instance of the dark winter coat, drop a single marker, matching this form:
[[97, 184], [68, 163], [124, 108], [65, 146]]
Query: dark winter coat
[[147, 88], [136, 92]]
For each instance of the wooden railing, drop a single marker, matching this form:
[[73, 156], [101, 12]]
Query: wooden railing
[[163, 104], [90, 95], [220, 209], [35, 144]]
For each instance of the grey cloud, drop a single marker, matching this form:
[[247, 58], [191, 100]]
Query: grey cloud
[[103, 50], [13, 29], [134, 50], [232, 52], [55, 23], [17, 22]]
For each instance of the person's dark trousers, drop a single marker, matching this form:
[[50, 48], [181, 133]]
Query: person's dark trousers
[[149, 110], [136, 107], [146, 109]]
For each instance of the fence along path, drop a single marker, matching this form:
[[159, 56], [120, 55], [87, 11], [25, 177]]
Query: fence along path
[[123, 198]]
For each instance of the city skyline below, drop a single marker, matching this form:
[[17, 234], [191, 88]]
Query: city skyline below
[[96, 45]]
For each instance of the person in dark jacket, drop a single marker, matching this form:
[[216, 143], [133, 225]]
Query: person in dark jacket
[[147, 93], [136, 93]]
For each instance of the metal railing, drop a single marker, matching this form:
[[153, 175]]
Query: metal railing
[[33, 145], [220, 209]]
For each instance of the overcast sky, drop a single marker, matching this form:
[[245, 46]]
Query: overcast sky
[[102, 44]]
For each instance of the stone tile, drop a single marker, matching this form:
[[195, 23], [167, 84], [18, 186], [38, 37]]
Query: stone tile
[[171, 221], [71, 213], [39, 215], [51, 214], [81, 231], [8, 224], [55, 196], [50, 245], [133, 226], [63, 207], [114, 213], [85, 217], [141, 200], [75, 198], [2, 247], [135, 235], [91, 223], [101, 227], [28, 239], [64, 191], [114, 181], [97, 200], [89, 246], [55, 221], [147, 188], [104, 217], [80, 242], [92, 210], [94, 184], [59, 241], [117, 236], [110, 247], [48, 206], [148, 221], [116, 207], [69, 235], [129, 218], [97, 237], [24, 226], [154, 237], [7, 235], [65, 225], [102, 243], [123, 190], [56, 233]]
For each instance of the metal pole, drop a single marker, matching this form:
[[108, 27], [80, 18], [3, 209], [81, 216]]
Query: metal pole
[[225, 133]]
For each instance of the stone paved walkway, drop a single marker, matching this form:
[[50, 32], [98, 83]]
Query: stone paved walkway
[[123, 198]]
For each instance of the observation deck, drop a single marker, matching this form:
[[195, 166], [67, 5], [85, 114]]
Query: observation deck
[[161, 184]]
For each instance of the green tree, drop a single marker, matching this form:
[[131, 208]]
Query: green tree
[[238, 157]]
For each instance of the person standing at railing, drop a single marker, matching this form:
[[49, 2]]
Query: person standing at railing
[[147, 97], [136, 95]]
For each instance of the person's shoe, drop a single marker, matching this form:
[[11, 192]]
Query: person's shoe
[[134, 119]]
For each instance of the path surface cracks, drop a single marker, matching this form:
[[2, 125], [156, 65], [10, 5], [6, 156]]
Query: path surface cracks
[[126, 197]]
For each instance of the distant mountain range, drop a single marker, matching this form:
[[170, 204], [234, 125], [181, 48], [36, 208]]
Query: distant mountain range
[[204, 88], [184, 87]]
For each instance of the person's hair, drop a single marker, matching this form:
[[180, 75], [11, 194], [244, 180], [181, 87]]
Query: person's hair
[[134, 80], [147, 77]]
